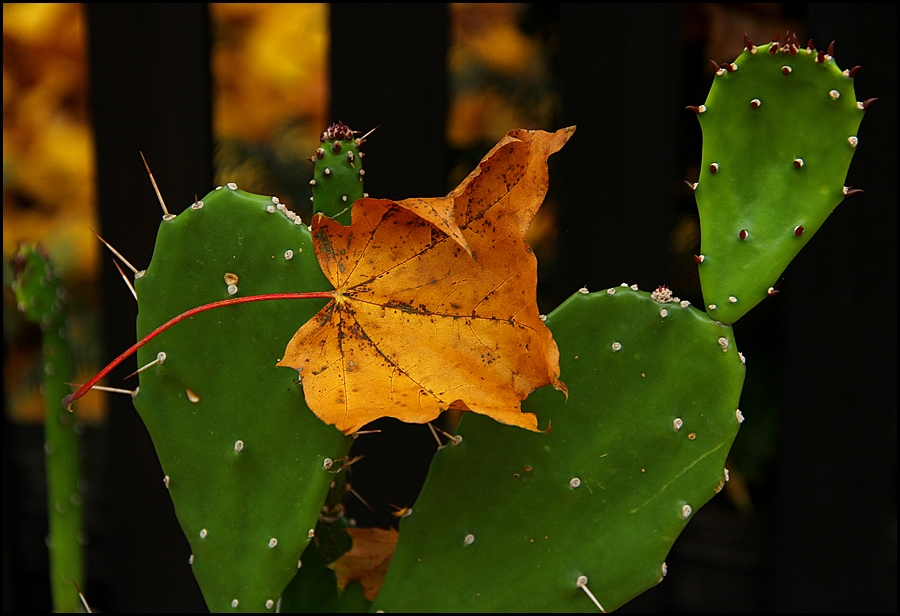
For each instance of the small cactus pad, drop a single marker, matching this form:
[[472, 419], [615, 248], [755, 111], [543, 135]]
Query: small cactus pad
[[510, 520], [779, 130], [244, 458], [337, 173]]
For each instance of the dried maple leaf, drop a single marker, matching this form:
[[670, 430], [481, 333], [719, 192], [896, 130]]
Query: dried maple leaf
[[367, 561], [434, 303]]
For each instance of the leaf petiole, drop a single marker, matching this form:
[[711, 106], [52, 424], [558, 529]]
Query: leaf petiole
[[68, 400]]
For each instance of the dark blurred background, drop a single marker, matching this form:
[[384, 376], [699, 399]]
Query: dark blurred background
[[218, 93]]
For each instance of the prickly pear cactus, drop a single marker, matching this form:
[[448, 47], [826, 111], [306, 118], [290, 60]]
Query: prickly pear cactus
[[779, 130], [246, 462], [337, 173], [510, 520], [42, 299]]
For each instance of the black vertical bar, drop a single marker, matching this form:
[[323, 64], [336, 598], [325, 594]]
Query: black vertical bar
[[836, 539], [388, 69], [620, 81], [150, 93]]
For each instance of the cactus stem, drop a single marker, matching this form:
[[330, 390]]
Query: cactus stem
[[160, 359], [166, 214], [68, 400], [137, 274], [581, 583], [125, 278]]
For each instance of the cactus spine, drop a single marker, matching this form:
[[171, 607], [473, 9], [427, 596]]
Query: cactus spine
[[42, 299]]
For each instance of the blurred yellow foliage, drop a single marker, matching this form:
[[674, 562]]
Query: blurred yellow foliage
[[270, 63], [48, 153], [48, 179], [499, 75]]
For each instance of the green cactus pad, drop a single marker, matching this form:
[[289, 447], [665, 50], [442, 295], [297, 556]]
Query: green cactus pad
[[779, 131], [509, 520], [243, 455], [337, 173]]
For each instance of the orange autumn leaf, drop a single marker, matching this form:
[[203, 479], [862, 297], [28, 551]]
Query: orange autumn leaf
[[434, 303], [367, 561]]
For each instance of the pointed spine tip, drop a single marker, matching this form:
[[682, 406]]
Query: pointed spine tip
[[691, 185], [848, 191], [852, 72], [831, 49], [821, 57], [868, 102], [698, 109]]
